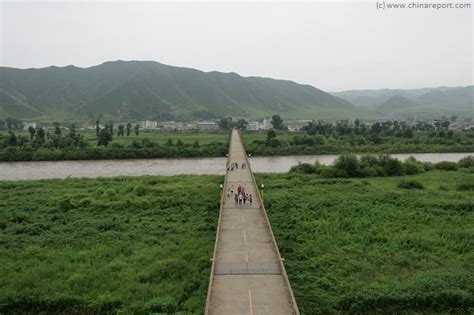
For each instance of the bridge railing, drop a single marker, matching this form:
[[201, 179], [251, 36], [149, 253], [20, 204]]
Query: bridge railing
[[262, 206], [213, 259]]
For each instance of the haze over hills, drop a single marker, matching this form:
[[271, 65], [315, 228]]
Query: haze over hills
[[417, 103], [147, 89]]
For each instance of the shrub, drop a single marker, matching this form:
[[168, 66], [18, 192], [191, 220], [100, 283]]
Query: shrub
[[466, 162], [446, 166], [412, 167], [410, 184], [303, 168], [347, 166], [391, 166]]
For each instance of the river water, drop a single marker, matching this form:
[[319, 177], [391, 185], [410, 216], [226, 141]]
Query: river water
[[167, 167]]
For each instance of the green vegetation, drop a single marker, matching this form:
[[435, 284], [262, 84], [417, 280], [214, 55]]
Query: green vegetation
[[83, 246], [419, 103], [343, 137], [157, 91], [410, 184], [367, 246], [106, 143], [368, 166]]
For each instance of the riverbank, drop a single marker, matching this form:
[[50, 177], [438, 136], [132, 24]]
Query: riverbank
[[170, 167], [75, 146]]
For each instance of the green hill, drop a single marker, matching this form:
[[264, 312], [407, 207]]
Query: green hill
[[418, 103], [146, 89]]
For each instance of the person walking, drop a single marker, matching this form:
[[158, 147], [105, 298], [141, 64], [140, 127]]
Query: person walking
[[244, 197], [236, 198], [250, 199], [240, 199]]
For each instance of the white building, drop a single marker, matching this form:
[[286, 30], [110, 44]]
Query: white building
[[267, 124], [28, 125], [151, 124], [208, 126], [255, 125], [296, 125]]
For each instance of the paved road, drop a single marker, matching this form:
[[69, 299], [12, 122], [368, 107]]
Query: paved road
[[248, 277]]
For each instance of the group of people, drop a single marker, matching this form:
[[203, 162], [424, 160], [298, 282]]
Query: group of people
[[235, 165], [241, 197]]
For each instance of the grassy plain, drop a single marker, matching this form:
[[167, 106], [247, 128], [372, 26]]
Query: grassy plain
[[161, 137], [367, 246], [135, 244]]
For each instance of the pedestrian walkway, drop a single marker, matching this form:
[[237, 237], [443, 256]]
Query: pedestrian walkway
[[247, 276]]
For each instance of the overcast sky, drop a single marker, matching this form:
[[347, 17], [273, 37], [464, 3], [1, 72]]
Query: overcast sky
[[333, 46]]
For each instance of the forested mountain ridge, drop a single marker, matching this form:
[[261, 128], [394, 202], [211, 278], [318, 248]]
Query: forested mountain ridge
[[148, 89]]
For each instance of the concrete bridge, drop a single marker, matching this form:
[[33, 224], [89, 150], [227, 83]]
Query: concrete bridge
[[247, 273]]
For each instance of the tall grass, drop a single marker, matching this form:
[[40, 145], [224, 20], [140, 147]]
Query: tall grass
[[137, 245], [368, 246]]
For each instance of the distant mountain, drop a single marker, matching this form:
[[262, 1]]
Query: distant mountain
[[418, 103], [396, 103], [146, 89]]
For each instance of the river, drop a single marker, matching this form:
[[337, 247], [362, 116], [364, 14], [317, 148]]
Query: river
[[167, 167]]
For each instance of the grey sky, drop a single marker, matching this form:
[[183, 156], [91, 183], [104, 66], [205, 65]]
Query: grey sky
[[333, 46]]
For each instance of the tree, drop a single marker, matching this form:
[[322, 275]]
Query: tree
[[121, 129], [57, 129], [137, 129], [104, 137], [225, 123], [32, 132], [40, 135], [13, 123], [271, 134], [111, 128], [129, 128], [277, 122], [454, 118], [357, 123], [241, 124], [97, 127], [11, 139], [169, 142], [347, 166]]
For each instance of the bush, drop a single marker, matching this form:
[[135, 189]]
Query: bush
[[410, 184], [303, 168], [466, 162], [391, 166], [347, 166], [413, 167], [446, 166]]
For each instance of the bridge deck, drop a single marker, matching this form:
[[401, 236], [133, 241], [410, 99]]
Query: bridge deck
[[247, 272]]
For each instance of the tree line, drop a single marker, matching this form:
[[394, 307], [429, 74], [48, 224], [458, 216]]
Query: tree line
[[380, 137], [69, 144]]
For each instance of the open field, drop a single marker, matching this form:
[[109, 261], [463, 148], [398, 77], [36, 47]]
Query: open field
[[137, 244], [367, 246], [161, 137]]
